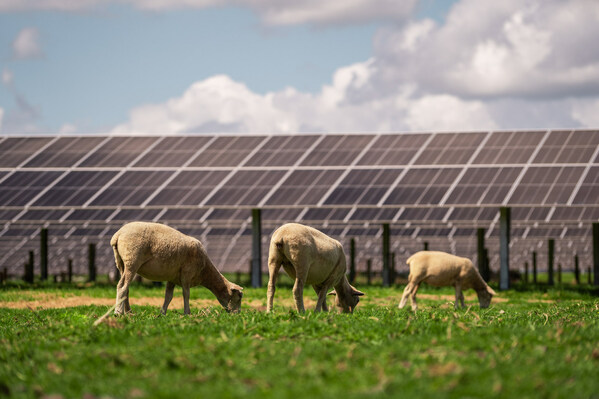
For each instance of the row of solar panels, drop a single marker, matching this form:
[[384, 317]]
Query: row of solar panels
[[561, 185], [540, 147]]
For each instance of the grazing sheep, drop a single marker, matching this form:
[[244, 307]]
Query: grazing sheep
[[161, 253], [442, 269], [310, 257]]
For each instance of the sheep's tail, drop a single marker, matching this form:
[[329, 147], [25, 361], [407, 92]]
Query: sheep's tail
[[410, 260], [279, 245], [117, 257]]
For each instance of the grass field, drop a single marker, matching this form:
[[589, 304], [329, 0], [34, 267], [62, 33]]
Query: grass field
[[541, 344]]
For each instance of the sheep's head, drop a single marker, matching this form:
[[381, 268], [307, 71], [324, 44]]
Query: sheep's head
[[485, 296], [236, 293], [347, 300]]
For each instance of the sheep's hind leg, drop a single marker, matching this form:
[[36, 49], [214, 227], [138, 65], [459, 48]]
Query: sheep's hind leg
[[122, 293], [406, 293], [301, 272], [413, 297], [273, 272], [168, 296]]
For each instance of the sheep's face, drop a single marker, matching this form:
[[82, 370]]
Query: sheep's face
[[348, 302], [235, 301], [485, 296]]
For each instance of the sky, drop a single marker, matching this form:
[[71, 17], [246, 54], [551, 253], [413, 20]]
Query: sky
[[269, 66]]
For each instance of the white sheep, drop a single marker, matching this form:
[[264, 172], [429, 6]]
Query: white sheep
[[441, 269], [161, 253], [310, 257]]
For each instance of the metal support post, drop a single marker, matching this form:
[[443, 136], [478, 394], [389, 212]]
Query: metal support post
[[256, 276], [44, 254], [386, 257], [504, 248]]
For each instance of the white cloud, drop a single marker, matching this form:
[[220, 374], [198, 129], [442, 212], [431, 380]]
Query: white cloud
[[26, 44], [219, 104], [489, 49], [586, 112], [67, 128], [446, 112], [272, 12], [7, 77]]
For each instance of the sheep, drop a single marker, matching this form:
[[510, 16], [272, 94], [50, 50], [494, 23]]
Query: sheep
[[310, 257], [442, 269], [160, 253]]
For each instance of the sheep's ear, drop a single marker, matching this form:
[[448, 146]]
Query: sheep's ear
[[357, 293], [332, 293], [490, 291]]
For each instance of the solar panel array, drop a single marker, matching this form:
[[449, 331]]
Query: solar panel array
[[433, 187]]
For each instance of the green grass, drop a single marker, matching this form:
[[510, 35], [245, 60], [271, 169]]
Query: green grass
[[535, 344]]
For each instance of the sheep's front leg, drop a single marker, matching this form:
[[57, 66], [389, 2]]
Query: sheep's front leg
[[273, 272], [321, 303], [458, 295], [186, 309], [168, 296]]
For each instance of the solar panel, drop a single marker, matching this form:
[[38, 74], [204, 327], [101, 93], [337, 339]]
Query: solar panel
[[119, 151], [450, 149], [64, 152], [173, 151], [16, 150]]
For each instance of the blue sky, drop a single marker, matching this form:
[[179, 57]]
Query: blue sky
[[258, 66], [96, 66]]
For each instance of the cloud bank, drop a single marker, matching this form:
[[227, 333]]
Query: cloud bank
[[490, 65], [272, 12]]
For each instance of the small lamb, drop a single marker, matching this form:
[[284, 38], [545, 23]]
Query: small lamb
[[310, 257], [442, 269], [160, 253]]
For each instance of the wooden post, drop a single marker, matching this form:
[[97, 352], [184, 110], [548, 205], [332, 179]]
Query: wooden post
[[392, 275], [29, 269], [480, 235], [487, 265], [44, 254], [576, 270], [386, 257], [559, 273], [589, 275], [70, 270], [534, 267], [596, 253], [91, 261], [550, 253], [504, 248], [426, 246], [256, 275], [369, 271], [352, 260], [525, 272]]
